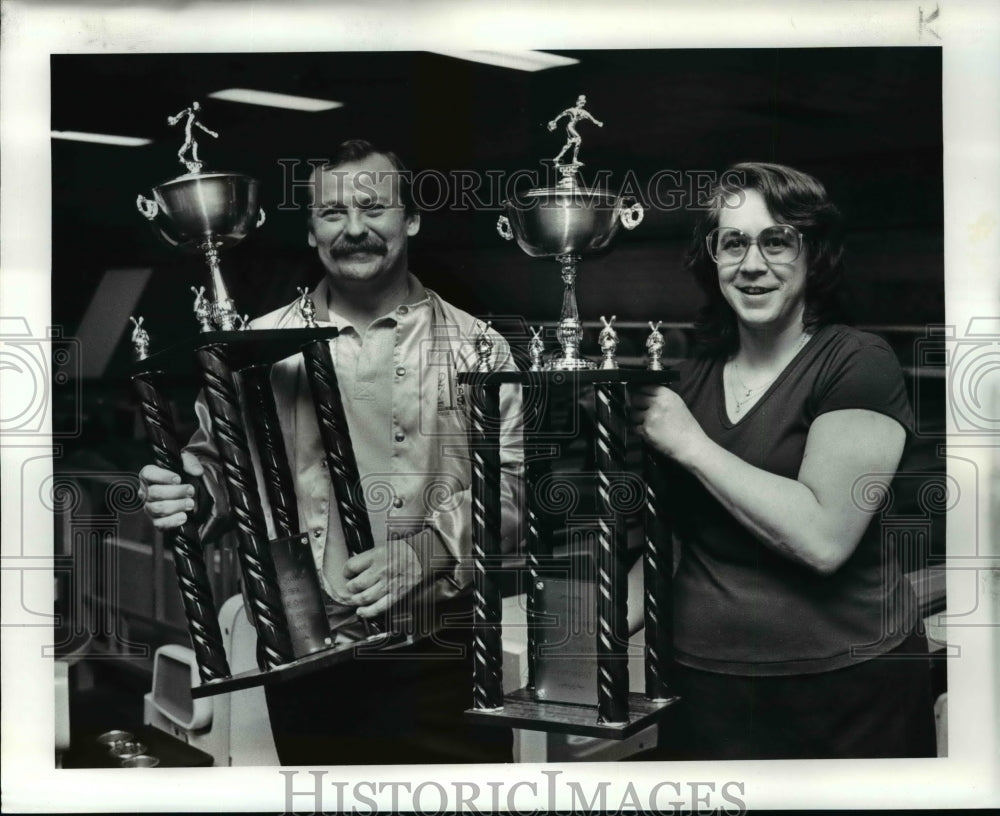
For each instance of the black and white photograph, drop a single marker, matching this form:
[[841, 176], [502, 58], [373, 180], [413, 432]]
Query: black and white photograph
[[493, 422]]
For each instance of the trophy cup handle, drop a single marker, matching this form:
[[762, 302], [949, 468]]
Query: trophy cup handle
[[631, 217], [261, 218], [503, 227], [147, 207]]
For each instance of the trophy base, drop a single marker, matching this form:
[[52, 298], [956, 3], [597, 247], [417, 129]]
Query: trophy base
[[521, 710], [573, 364], [304, 665]]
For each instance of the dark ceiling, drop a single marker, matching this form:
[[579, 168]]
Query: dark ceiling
[[865, 121], [681, 107]]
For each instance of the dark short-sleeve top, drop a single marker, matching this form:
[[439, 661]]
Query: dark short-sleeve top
[[740, 607]]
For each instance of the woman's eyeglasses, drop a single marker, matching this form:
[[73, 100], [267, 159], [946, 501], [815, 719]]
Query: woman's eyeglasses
[[778, 244]]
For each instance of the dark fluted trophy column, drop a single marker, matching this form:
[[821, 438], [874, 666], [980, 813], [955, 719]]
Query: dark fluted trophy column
[[658, 565], [341, 461], [189, 561], [277, 474], [485, 448], [538, 463], [612, 578], [260, 578], [291, 552]]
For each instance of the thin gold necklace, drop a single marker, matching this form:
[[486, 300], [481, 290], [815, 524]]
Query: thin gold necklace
[[748, 392]]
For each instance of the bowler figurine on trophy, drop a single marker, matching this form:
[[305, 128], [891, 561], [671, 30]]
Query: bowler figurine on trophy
[[575, 685], [204, 212]]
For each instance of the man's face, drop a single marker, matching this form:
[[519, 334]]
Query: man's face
[[357, 223]]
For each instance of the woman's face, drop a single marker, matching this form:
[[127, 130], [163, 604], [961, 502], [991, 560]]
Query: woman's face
[[765, 294]]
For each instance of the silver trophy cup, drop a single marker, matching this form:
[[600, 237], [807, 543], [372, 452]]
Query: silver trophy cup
[[205, 212], [568, 222]]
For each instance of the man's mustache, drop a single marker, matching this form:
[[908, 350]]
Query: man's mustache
[[342, 249]]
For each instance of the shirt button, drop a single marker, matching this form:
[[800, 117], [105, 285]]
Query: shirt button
[[400, 436], [397, 502], [317, 533], [402, 310], [400, 371]]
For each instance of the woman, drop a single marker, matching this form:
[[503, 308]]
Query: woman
[[795, 632]]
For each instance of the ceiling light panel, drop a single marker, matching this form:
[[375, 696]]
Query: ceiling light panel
[[517, 60], [249, 96], [100, 138]]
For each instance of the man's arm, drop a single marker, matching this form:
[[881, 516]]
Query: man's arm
[[554, 122], [209, 132]]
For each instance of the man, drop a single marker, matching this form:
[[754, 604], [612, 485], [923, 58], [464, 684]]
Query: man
[[397, 355]]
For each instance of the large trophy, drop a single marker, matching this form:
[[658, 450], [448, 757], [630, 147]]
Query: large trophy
[[205, 212], [576, 599]]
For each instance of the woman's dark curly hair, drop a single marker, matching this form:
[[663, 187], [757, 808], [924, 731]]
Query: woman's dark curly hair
[[794, 198]]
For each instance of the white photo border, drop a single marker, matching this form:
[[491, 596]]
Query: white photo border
[[968, 33]]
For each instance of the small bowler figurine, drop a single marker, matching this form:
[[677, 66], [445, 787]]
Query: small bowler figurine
[[573, 140], [202, 309], [654, 346], [190, 114], [306, 307], [536, 348], [608, 341], [484, 349], [140, 339]]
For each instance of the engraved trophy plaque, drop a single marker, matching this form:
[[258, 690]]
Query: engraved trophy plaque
[[566, 223], [204, 212], [576, 594]]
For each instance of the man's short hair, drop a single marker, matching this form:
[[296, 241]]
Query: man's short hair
[[354, 150]]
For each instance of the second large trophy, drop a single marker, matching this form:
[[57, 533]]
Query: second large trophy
[[567, 222], [578, 517]]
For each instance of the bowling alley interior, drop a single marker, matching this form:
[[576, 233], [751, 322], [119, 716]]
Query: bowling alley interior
[[867, 122]]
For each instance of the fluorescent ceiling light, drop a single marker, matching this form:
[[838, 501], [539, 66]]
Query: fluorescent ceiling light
[[100, 138], [518, 60], [248, 96]]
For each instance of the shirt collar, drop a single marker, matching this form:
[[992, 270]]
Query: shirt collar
[[418, 297]]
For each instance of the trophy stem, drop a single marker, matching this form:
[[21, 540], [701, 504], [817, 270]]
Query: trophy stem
[[570, 331], [223, 309]]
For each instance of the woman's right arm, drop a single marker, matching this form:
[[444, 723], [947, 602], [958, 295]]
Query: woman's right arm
[[812, 519]]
